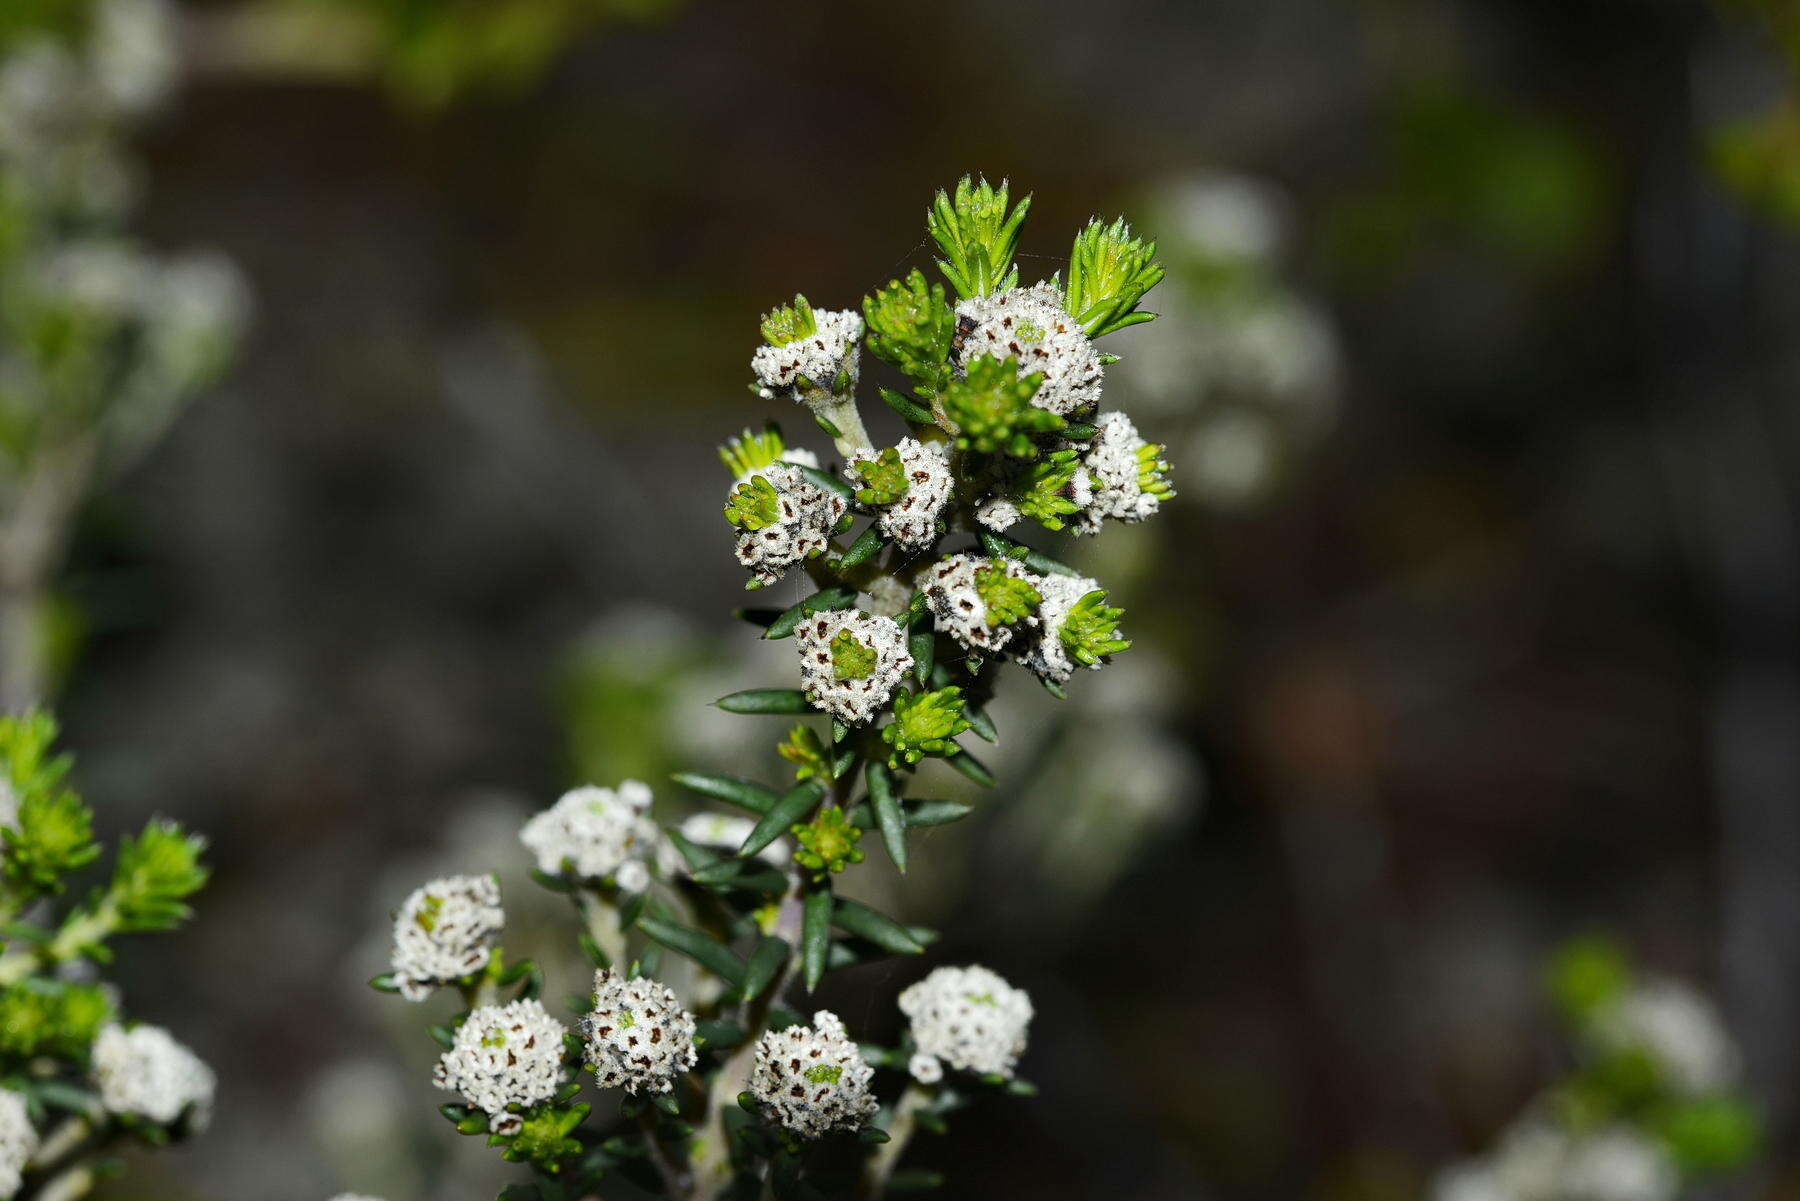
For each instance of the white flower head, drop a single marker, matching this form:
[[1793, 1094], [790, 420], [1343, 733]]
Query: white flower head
[[1127, 474], [953, 587], [1618, 1164], [968, 1018], [1047, 654], [805, 517], [888, 596], [637, 1036], [1029, 324], [18, 1141], [998, 513], [504, 1058], [912, 520], [598, 833], [727, 832], [813, 1078], [444, 931], [143, 1072], [1678, 1029], [814, 369], [851, 662]]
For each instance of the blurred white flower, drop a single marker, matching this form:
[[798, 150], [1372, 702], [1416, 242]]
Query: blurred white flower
[[18, 1141], [145, 1073], [967, 1018], [597, 833], [1678, 1029]]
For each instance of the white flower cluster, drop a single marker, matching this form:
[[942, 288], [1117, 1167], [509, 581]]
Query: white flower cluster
[[811, 368], [950, 588], [968, 1018], [1678, 1030], [504, 1057], [1536, 1161], [1046, 655], [851, 662], [808, 515], [727, 832], [813, 1078], [144, 1073], [599, 833], [637, 1036], [1115, 466], [444, 932], [912, 521], [18, 1141], [1029, 324]]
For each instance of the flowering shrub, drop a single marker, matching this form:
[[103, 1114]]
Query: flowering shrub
[[1649, 1107], [76, 1075], [900, 645]]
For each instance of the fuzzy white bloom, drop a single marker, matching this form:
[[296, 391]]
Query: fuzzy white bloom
[[950, 588], [504, 1055], [807, 516], [912, 521], [1678, 1029], [968, 1018], [813, 1078], [926, 1069], [145, 1073], [727, 832], [134, 51], [637, 1036], [1537, 1161], [599, 833], [998, 513], [18, 1141], [851, 662], [1046, 655], [444, 931], [1029, 324], [1116, 465], [814, 366]]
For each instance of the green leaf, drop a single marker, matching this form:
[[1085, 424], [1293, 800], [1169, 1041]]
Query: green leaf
[[745, 794], [819, 602], [887, 812], [782, 702], [973, 768], [790, 809], [915, 1180], [1109, 272], [981, 723], [703, 949], [155, 874], [751, 875], [829, 482], [1000, 545], [901, 404], [697, 857], [880, 929], [770, 956], [936, 812], [789, 323], [923, 645], [865, 546], [815, 933], [384, 983]]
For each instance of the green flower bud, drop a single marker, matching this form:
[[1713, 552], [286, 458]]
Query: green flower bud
[[884, 478], [1046, 492], [754, 504], [789, 323], [806, 751], [978, 231], [749, 452], [544, 1137], [851, 658], [992, 410], [155, 874], [1007, 597], [827, 843], [1090, 631], [1109, 272], [925, 723], [911, 326]]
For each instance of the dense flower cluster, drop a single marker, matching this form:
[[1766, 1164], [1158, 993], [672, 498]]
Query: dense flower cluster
[[785, 519], [824, 361], [144, 1073], [967, 1018], [1030, 325], [637, 1036], [444, 931], [597, 833], [1127, 473], [908, 485], [504, 1058], [813, 1078], [850, 663], [966, 594]]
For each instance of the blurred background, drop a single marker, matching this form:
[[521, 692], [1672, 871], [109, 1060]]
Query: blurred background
[[1474, 627]]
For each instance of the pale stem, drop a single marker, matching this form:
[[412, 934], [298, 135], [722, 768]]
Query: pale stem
[[78, 1181], [842, 412], [901, 1127], [61, 1141], [602, 921]]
